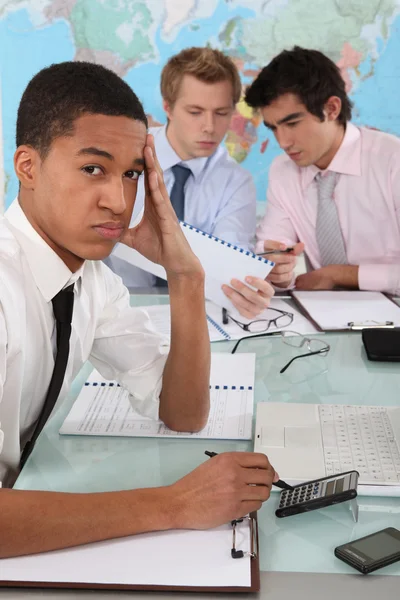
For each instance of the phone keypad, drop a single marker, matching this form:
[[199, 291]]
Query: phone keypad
[[300, 494]]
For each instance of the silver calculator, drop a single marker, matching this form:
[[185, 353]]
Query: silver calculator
[[318, 494]]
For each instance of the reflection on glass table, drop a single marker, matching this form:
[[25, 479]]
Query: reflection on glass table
[[296, 340]]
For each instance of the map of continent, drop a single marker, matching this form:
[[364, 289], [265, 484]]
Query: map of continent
[[135, 38]]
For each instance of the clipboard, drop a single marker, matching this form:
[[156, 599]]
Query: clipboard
[[24, 567], [346, 310]]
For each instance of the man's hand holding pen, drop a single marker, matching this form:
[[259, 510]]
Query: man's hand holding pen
[[282, 275], [227, 487]]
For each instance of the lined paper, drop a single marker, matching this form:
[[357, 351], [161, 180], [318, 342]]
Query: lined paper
[[105, 410], [160, 316]]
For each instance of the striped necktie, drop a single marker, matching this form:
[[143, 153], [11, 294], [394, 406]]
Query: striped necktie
[[328, 233]]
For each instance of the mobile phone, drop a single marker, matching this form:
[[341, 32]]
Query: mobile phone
[[382, 344], [318, 493], [372, 551]]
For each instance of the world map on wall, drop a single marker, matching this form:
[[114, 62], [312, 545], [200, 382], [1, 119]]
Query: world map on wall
[[136, 37]]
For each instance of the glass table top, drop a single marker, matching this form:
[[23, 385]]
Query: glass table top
[[303, 543]]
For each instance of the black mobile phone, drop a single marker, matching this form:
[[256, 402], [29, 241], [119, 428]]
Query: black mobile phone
[[372, 551], [382, 344], [318, 493]]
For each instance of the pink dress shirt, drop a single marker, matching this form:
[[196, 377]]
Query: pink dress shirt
[[367, 197]]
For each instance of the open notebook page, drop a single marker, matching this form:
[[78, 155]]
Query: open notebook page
[[335, 310], [160, 316], [161, 319], [300, 323], [103, 408], [170, 558]]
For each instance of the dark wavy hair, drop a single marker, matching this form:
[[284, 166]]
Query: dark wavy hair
[[309, 74]]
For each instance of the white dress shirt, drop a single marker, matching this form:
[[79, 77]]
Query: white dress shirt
[[119, 340], [220, 199]]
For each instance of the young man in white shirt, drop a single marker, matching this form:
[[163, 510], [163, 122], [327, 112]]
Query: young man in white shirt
[[200, 88], [82, 145]]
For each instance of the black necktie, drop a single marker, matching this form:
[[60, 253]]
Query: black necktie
[[63, 305], [181, 175]]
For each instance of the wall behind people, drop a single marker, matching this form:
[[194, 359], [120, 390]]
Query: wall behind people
[[136, 38]]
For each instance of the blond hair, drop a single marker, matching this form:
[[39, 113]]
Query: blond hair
[[206, 64]]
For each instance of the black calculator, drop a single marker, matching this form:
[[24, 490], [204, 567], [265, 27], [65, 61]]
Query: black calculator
[[318, 494]]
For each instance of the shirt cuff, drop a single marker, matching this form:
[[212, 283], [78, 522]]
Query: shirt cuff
[[144, 401], [289, 287], [379, 278], [150, 405], [259, 247]]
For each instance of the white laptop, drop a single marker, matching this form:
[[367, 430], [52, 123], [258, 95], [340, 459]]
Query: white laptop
[[309, 441]]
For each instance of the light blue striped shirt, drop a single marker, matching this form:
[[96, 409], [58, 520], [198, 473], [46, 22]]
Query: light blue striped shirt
[[220, 198]]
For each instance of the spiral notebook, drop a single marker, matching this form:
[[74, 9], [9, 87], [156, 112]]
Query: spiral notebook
[[103, 407], [221, 262], [218, 331]]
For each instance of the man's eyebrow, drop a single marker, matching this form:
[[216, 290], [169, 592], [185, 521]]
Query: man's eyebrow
[[93, 151], [290, 117], [201, 108]]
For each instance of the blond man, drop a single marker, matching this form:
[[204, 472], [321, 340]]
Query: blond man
[[200, 88]]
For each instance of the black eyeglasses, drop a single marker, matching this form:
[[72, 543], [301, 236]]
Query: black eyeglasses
[[294, 339], [278, 319]]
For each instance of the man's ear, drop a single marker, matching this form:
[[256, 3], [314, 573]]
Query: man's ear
[[332, 108], [26, 164], [167, 108]]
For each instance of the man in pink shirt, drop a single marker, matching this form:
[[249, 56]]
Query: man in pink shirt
[[335, 193]]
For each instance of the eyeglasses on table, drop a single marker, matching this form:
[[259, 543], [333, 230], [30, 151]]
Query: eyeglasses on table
[[278, 319], [295, 340]]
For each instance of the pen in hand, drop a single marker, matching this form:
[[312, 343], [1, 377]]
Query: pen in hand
[[279, 484], [274, 252]]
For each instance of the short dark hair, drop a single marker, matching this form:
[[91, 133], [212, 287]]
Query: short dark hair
[[61, 93], [309, 74]]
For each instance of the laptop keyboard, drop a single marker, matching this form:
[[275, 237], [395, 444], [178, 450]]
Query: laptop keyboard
[[360, 438]]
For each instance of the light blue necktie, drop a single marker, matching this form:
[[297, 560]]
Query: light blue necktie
[[328, 232]]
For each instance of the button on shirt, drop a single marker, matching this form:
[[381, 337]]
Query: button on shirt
[[220, 198], [367, 196], [119, 340]]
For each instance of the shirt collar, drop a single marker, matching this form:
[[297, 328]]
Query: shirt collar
[[168, 158], [50, 273], [346, 161]]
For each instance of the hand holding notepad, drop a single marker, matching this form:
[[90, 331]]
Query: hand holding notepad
[[221, 262]]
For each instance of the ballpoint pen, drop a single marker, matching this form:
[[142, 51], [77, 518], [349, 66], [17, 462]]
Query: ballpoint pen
[[274, 252], [279, 484]]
